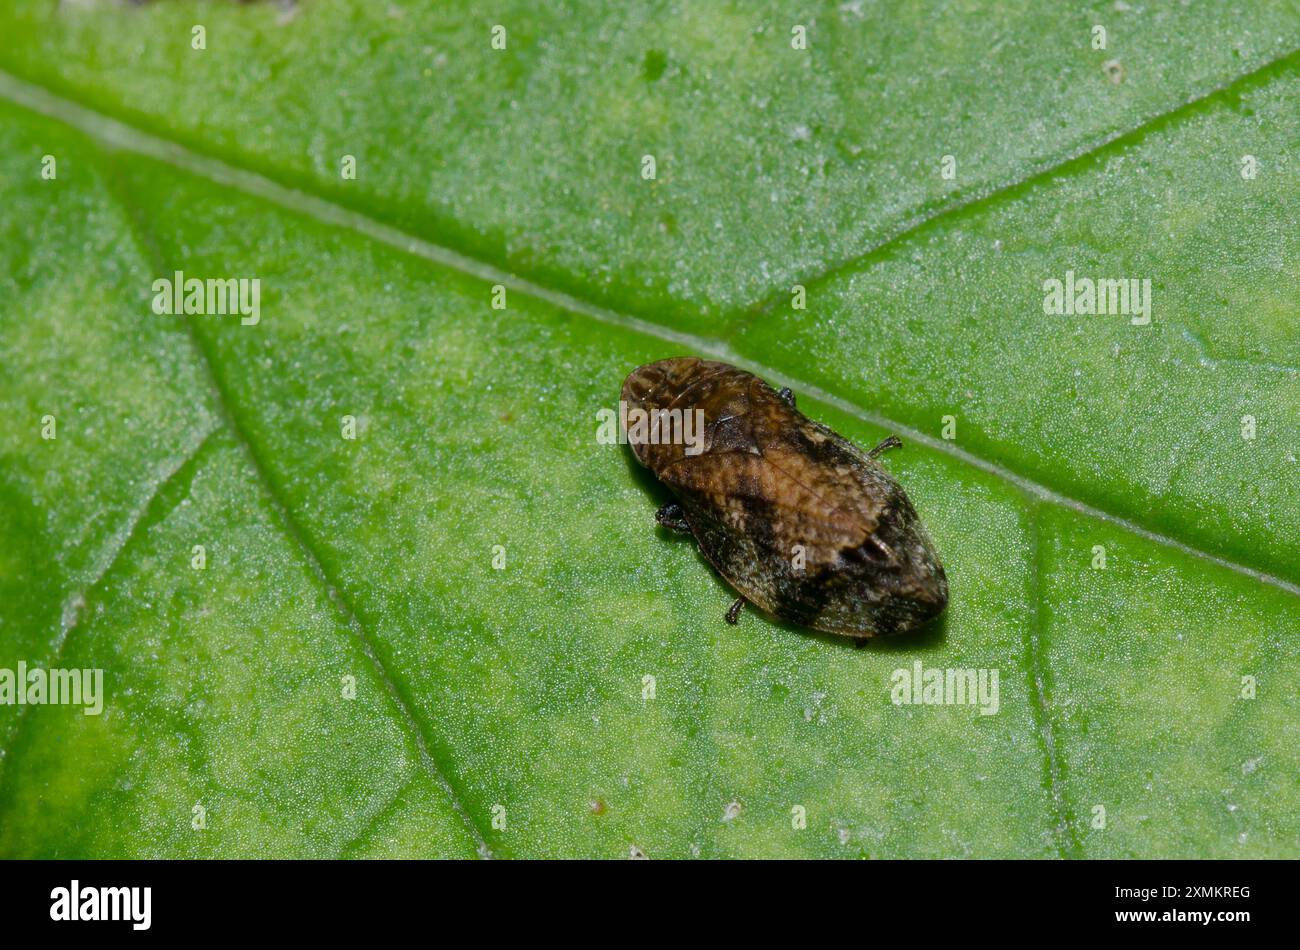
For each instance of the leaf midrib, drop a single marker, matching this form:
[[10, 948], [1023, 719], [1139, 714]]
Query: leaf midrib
[[114, 132], [122, 135]]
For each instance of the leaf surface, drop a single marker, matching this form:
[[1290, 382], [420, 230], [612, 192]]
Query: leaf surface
[[508, 710]]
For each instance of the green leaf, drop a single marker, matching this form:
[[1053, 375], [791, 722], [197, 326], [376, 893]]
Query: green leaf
[[350, 674]]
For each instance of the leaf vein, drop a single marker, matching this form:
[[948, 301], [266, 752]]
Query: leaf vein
[[74, 606], [1063, 830], [311, 556], [1119, 138], [135, 140], [367, 830]]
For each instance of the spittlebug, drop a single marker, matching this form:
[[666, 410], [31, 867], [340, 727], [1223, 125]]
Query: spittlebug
[[797, 519]]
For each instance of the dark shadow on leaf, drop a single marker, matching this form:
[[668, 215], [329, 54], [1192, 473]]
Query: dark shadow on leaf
[[925, 640], [651, 485]]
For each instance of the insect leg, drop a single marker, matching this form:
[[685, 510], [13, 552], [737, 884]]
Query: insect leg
[[786, 393], [892, 442], [733, 612], [673, 518]]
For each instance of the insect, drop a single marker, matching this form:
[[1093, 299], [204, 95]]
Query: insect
[[797, 519]]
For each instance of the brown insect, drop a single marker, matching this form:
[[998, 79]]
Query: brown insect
[[797, 519]]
